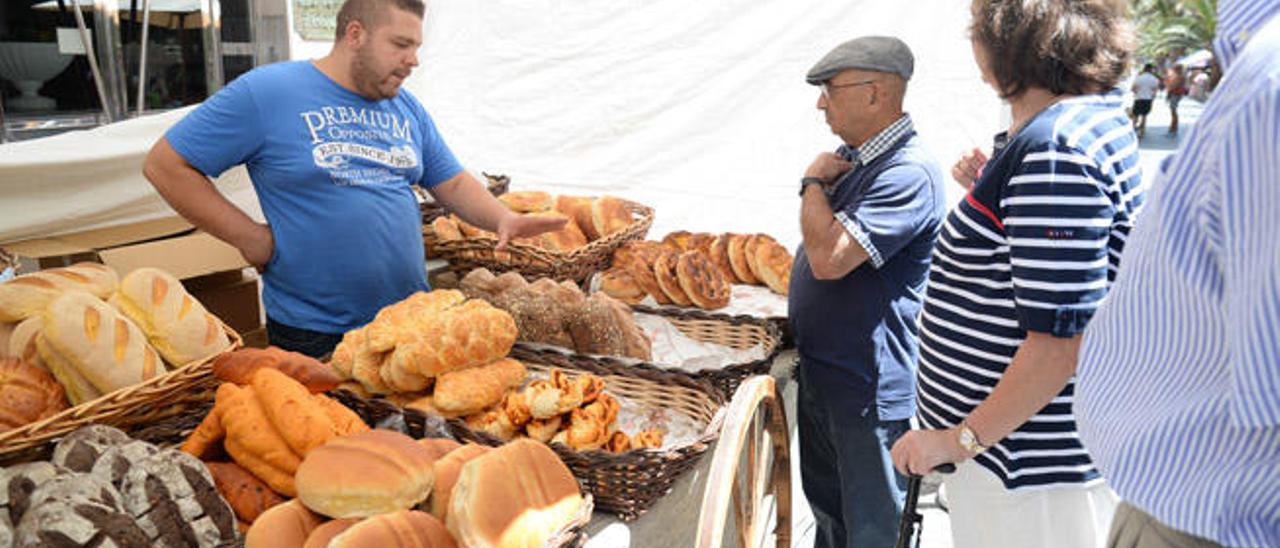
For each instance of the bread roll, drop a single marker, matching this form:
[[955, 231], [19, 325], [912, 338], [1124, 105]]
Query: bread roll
[[678, 240], [321, 536], [526, 201], [517, 495], [439, 447], [618, 283], [753, 244], [773, 262], [402, 529], [644, 277], [701, 241], [664, 270], [608, 327], [463, 336], [248, 496], [446, 471], [22, 343], [239, 366], [609, 215], [29, 294], [471, 390], [177, 325], [446, 228], [365, 474], [566, 239], [701, 281], [27, 394], [738, 259], [92, 349], [718, 252], [6, 333], [578, 208], [287, 524]]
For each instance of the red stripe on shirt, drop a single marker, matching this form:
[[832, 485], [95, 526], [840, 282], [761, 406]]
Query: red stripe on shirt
[[983, 209]]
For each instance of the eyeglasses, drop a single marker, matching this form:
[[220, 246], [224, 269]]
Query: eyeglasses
[[827, 86]]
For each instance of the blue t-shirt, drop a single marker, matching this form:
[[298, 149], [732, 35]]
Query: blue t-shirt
[[332, 171], [859, 332]]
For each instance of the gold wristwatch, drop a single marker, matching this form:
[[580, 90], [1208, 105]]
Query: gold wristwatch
[[969, 440]]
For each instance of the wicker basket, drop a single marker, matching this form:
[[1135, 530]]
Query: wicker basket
[[498, 185], [154, 400], [628, 483], [534, 262], [737, 332]]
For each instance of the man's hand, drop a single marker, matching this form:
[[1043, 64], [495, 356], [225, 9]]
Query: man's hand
[[525, 226], [828, 166], [257, 246], [918, 452], [968, 168]]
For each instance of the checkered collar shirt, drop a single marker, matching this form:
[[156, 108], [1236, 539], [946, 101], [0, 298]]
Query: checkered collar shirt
[[878, 144]]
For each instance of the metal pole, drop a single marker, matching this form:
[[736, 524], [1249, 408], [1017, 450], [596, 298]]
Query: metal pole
[[211, 13], [93, 61], [4, 131], [142, 60]]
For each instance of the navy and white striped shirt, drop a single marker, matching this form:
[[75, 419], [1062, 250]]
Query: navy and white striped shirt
[[1033, 247], [1179, 377]]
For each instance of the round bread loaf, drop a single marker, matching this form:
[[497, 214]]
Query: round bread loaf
[[287, 524], [173, 499], [526, 201], [701, 281], [323, 535], [365, 474], [17, 484], [401, 529], [28, 393], [664, 269], [738, 259], [79, 450], [516, 495], [117, 460], [753, 244], [718, 252], [773, 262]]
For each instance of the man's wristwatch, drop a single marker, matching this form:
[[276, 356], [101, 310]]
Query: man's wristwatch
[[806, 181], [969, 440]]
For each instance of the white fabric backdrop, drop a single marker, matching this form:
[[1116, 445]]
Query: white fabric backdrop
[[698, 108]]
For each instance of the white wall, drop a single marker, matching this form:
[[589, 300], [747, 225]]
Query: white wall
[[697, 107]]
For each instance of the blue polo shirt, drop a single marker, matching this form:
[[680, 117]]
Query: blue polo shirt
[[858, 333]]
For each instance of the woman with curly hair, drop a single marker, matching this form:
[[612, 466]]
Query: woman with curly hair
[[1019, 269]]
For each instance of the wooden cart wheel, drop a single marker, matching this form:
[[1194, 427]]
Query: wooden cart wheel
[[751, 462]]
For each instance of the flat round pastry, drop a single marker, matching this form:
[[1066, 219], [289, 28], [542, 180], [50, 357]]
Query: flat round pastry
[[753, 243], [738, 259], [701, 281], [719, 255], [566, 239], [469, 230], [644, 277], [618, 283], [446, 228], [609, 215], [701, 241], [578, 208], [664, 269], [678, 240], [644, 250], [175, 501], [774, 264], [526, 201]]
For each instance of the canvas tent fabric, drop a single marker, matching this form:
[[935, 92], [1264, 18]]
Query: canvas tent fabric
[[699, 109]]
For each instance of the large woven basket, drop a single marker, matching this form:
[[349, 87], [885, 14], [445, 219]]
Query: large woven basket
[[173, 430], [626, 484], [154, 400], [535, 262], [497, 184], [737, 332]]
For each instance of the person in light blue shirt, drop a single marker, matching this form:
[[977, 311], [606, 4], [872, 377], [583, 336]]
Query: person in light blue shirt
[[332, 146], [1178, 383]]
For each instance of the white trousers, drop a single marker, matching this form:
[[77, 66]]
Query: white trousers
[[986, 515]]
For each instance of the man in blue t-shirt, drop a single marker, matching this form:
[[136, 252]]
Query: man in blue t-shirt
[[869, 216], [332, 146]]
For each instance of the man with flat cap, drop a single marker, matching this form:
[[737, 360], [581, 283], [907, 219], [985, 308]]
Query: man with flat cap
[[869, 214]]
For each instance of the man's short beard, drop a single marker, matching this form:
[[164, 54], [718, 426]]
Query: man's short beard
[[366, 78]]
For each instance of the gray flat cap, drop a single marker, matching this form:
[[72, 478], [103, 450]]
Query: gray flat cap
[[873, 53]]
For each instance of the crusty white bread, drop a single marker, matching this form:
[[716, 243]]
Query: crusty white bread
[[92, 349], [177, 325]]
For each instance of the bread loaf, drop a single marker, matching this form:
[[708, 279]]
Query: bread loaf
[[402, 529], [738, 259], [446, 471], [321, 536], [718, 252], [6, 333], [439, 447], [365, 474], [91, 349], [287, 524], [80, 450], [517, 495], [22, 342], [174, 500], [773, 262], [608, 327], [526, 201], [644, 276], [238, 367], [248, 496], [753, 244], [446, 228], [471, 390], [29, 294], [464, 336], [609, 215], [16, 485], [27, 394], [79, 523], [618, 283], [578, 208], [177, 325], [701, 281], [664, 270]]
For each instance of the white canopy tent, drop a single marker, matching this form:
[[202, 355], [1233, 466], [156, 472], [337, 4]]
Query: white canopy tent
[[697, 108]]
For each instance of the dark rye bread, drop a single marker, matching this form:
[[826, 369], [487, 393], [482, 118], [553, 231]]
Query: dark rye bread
[[16, 485], [60, 523], [173, 498], [75, 487], [79, 450], [117, 460]]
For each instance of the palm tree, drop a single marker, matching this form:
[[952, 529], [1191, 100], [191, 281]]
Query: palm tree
[[1173, 27]]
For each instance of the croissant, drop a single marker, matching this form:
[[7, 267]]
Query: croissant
[[474, 389]]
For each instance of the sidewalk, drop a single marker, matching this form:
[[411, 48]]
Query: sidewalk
[[1157, 144]]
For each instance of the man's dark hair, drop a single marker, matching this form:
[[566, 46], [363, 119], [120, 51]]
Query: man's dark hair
[[1069, 47], [372, 13], [1149, 67]]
